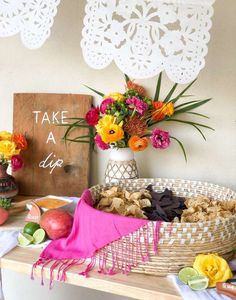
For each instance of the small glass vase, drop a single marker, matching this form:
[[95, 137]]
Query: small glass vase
[[8, 185], [121, 165]]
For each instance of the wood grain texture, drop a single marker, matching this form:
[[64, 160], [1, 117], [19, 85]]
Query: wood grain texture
[[135, 286], [37, 116]]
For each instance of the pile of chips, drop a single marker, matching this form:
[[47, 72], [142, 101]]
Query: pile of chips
[[201, 208], [117, 201], [163, 206]]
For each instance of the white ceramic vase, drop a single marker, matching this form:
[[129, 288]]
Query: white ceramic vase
[[121, 165]]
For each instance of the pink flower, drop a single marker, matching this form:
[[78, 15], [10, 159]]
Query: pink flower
[[160, 139], [16, 163], [105, 103], [138, 104], [92, 116], [99, 142]]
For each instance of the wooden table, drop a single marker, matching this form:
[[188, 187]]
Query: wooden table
[[136, 286]]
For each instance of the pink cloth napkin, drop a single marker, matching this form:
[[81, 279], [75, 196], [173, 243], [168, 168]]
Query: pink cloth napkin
[[115, 242], [92, 230]]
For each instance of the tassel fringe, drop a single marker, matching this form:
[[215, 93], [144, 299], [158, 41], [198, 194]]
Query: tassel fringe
[[119, 256]]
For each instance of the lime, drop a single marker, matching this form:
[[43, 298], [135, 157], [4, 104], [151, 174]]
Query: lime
[[198, 283], [25, 239], [39, 236], [186, 274], [30, 228]]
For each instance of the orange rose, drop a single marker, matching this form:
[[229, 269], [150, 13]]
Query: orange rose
[[20, 141], [158, 113], [138, 144]]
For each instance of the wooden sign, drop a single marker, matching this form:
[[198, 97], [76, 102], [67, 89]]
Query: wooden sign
[[51, 165]]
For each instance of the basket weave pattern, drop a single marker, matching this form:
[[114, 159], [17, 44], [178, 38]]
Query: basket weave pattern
[[179, 243]]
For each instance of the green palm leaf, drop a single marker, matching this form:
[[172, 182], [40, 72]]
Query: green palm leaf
[[186, 103], [170, 93], [191, 106], [70, 127], [190, 123], [197, 114], [95, 91], [158, 88], [183, 92], [181, 146], [78, 141], [126, 78], [199, 130]]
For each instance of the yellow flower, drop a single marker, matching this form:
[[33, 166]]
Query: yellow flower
[[116, 96], [107, 120], [168, 109], [5, 136], [8, 149], [111, 133], [214, 267]]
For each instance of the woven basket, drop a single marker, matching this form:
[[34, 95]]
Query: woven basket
[[179, 243]]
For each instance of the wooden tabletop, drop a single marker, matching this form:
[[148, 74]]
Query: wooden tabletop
[[137, 286]]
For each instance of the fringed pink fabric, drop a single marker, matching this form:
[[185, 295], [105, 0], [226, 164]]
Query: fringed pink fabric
[[115, 243]]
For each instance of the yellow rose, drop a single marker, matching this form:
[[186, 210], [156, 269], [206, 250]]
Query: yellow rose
[[5, 136], [214, 267], [116, 96], [112, 133], [107, 120], [8, 149]]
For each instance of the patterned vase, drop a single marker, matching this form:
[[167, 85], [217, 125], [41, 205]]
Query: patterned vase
[[121, 165], [8, 186]]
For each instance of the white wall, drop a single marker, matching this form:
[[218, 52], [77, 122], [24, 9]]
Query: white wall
[[59, 67]]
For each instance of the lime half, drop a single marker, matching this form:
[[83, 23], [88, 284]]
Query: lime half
[[25, 239], [30, 228], [186, 274], [39, 236], [198, 283]]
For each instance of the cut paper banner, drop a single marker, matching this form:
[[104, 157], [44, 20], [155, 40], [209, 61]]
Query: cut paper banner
[[145, 37], [33, 19]]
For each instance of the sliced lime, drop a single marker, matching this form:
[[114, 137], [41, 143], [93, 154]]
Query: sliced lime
[[198, 283], [25, 239], [186, 274], [39, 236], [30, 228]]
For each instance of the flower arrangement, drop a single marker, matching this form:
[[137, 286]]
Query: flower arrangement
[[130, 119], [11, 145]]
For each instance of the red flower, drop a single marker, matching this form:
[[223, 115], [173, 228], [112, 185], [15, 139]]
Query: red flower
[[16, 163], [92, 116]]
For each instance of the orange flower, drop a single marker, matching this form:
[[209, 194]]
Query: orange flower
[[138, 144], [158, 113], [20, 141], [161, 110], [133, 86]]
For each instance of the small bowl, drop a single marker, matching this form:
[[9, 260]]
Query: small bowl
[[66, 206]]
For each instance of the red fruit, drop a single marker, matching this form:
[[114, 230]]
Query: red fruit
[[3, 215], [57, 223]]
